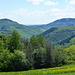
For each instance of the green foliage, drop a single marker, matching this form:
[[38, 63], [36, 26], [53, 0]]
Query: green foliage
[[63, 70], [60, 22], [13, 61], [7, 26], [4, 39], [1, 46], [60, 56], [29, 55], [4, 60], [19, 54], [41, 40], [18, 61], [39, 58], [71, 53], [72, 40], [34, 42], [14, 41], [61, 35], [49, 57]]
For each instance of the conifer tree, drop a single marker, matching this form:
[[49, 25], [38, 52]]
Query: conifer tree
[[14, 42], [34, 42], [41, 40]]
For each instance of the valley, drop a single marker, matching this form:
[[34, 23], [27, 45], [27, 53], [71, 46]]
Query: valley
[[37, 50]]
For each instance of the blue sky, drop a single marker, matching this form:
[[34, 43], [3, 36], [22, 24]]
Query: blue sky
[[36, 11]]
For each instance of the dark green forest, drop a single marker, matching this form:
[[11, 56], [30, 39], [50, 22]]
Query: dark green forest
[[59, 32], [20, 54], [62, 35]]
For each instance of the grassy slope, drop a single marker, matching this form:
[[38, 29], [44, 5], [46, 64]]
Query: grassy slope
[[64, 70], [23, 73]]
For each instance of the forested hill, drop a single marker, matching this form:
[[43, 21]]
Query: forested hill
[[63, 21], [7, 25], [61, 35], [56, 35]]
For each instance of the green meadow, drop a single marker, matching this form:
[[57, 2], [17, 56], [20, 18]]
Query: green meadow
[[63, 70]]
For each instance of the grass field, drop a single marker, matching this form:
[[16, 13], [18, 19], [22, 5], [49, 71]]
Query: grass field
[[64, 70]]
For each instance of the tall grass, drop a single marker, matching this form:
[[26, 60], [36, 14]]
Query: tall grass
[[64, 70]]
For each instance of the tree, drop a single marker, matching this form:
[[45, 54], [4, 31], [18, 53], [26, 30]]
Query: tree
[[71, 53], [14, 42], [39, 58], [4, 60], [41, 40], [49, 58], [13, 61], [4, 39], [18, 61], [60, 56], [29, 55], [1, 46], [34, 42]]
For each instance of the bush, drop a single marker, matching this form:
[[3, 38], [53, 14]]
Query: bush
[[13, 61], [60, 56]]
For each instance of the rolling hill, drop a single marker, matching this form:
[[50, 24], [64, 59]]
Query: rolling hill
[[60, 35], [60, 22], [7, 25], [61, 31]]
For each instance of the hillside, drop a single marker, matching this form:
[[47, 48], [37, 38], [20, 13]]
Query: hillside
[[7, 25], [63, 70], [63, 21], [60, 35]]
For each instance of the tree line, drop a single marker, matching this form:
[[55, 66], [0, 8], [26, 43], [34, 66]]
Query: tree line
[[19, 54]]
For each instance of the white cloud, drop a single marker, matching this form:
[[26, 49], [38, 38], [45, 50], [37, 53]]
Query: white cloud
[[46, 2], [35, 2], [72, 2], [51, 3], [18, 15], [39, 17], [70, 8], [0, 13], [66, 1], [56, 10], [20, 12]]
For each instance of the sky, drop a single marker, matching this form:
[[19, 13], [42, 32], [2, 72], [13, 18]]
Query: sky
[[36, 12]]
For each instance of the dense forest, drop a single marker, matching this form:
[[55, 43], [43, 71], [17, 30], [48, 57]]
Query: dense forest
[[18, 54], [61, 35], [58, 32]]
